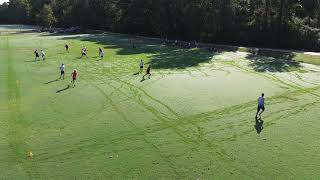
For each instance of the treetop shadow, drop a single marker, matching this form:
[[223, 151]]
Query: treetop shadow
[[160, 56], [272, 61]]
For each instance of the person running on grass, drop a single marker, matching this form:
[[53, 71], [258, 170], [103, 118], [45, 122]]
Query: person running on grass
[[260, 105], [84, 52], [37, 56], [67, 48], [141, 66], [148, 73], [101, 53], [43, 55], [74, 77], [62, 69]]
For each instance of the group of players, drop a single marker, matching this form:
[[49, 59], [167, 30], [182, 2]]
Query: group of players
[[84, 51]]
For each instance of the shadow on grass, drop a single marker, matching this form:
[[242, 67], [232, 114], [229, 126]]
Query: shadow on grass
[[259, 125], [30, 61], [160, 56], [180, 58], [271, 61], [64, 89], [56, 80]]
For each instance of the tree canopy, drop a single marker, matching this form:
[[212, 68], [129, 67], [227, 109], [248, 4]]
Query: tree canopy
[[262, 23]]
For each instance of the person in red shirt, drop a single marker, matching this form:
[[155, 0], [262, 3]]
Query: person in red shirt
[[74, 77]]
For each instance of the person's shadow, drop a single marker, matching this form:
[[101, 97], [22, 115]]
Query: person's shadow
[[56, 80], [64, 89], [259, 125]]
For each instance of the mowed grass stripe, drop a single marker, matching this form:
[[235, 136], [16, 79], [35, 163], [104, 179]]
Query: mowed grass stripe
[[18, 126]]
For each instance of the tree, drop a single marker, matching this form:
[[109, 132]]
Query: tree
[[268, 23], [19, 11], [4, 13], [46, 17]]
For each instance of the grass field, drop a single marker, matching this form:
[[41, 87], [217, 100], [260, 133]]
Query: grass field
[[194, 119]]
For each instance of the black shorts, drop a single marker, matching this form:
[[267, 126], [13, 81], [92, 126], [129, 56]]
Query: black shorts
[[62, 72], [84, 54], [260, 108], [141, 67]]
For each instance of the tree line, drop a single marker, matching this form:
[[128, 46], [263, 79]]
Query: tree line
[[261, 23]]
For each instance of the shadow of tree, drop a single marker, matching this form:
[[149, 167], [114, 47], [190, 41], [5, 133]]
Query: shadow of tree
[[180, 58], [272, 61], [160, 56]]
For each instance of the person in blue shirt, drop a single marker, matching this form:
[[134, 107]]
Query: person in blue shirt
[[261, 107]]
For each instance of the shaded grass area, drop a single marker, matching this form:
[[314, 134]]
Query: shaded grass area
[[297, 57], [164, 57], [159, 57], [264, 61]]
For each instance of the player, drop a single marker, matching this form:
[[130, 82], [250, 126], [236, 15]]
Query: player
[[260, 105], [141, 66], [148, 73], [101, 53], [67, 48], [43, 55], [74, 77], [84, 52], [62, 71], [36, 53]]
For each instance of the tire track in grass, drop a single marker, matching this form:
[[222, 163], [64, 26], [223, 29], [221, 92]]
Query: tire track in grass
[[124, 117], [273, 78], [140, 90], [214, 148], [164, 120], [192, 123], [132, 87], [243, 107], [224, 112], [275, 117], [18, 126]]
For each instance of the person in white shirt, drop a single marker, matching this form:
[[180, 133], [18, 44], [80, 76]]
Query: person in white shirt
[[141, 66], [101, 53], [43, 54], [84, 52], [260, 105], [62, 71]]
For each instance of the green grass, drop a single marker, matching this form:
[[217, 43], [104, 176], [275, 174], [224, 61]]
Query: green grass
[[311, 59], [193, 119], [280, 54]]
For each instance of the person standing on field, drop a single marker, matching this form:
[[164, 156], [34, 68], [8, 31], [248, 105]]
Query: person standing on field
[[148, 73], [74, 75], [101, 53], [84, 52], [62, 71], [43, 55], [141, 66], [261, 107], [37, 56], [67, 48]]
